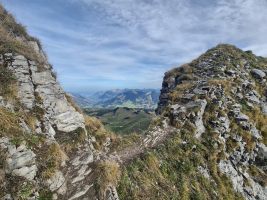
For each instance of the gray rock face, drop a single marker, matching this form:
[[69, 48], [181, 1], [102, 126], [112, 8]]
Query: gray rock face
[[241, 117], [199, 117], [253, 192], [112, 193], [257, 73], [41, 94], [35, 86], [20, 66], [81, 193], [6, 104], [57, 182], [20, 161], [204, 171], [194, 110], [263, 151], [264, 108], [224, 115]]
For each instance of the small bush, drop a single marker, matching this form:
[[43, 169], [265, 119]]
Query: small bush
[[38, 112], [92, 124], [71, 140], [25, 191]]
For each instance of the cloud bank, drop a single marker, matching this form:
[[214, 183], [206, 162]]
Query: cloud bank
[[108, 44]]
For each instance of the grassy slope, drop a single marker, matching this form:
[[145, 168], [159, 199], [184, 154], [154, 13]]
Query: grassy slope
[[123, 120], [170, 171]]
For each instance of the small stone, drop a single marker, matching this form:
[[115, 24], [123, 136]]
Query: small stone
[[242, 117]]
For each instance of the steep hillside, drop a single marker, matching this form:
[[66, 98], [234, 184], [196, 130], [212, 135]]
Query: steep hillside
[[46, 144], [217, 105]]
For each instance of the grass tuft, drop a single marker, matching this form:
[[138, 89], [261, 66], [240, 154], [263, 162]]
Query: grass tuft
[[109, 175]]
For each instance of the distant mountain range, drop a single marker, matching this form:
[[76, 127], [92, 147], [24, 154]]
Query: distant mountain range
[[131, 98]]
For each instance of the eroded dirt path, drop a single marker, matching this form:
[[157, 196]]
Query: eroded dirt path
[[151, 140]]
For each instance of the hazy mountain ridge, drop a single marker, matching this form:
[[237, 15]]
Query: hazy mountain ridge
[[133, 98]]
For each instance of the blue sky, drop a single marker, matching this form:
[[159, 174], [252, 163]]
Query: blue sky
[[108, 44]]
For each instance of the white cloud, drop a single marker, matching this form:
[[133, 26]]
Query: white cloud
[[179, 24], [138, 40]]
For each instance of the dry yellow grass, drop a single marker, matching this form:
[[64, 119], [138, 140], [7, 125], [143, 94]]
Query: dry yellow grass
[[92, 123], [226, 84], [72, 103], [96, 129], [184, 69], [109, 175], [14, 38], [260, 120], [9, 123], [53, 158], [180, 89]]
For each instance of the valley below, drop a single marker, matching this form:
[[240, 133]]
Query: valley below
[[122, 111], [123, 120]]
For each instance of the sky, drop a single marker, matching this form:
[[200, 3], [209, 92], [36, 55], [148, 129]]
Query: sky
[[108, 44]]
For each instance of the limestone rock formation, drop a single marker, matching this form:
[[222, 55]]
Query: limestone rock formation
[[234, 111], [45, 148], [20, 161], [38, 87], [214, 144]]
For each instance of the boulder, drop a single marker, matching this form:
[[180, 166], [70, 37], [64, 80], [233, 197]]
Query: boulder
[[241, 117], [20, 161], [257, 73]]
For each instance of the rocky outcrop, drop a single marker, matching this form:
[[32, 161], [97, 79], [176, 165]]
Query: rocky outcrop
[[238, 177], [40, 94], [257, 73], [38, 88], [19, 161], [214, 95], [38, 124]]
